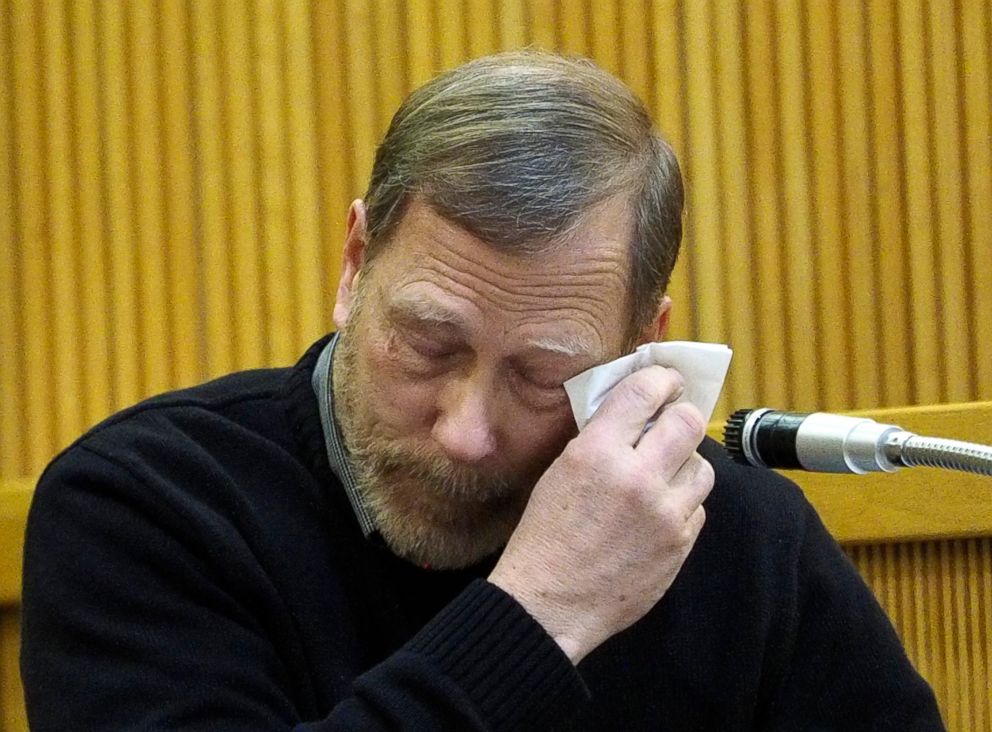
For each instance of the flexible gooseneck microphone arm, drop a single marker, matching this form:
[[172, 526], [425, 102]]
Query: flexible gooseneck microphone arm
[[833, 443]]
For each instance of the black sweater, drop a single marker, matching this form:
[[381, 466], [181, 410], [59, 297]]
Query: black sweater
[[192, 563]]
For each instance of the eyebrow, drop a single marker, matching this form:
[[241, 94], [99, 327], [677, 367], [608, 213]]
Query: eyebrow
[[427, 310], [569, 345]]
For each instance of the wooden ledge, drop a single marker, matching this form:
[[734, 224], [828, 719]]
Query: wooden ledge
[[911, 504]]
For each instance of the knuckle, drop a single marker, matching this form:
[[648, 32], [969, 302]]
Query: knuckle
[[705, 476], [690, 419]]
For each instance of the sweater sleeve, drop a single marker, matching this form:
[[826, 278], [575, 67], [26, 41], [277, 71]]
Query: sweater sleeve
[[133, 618], [848, 669]]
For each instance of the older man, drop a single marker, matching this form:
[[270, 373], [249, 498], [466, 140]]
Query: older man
[[405, 531]]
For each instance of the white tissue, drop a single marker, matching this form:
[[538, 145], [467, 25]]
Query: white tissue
[[703, 365]]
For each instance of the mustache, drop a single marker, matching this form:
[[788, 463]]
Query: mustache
[[457, 481]]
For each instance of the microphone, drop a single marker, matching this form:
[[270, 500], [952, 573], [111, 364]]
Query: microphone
[[832, 443]]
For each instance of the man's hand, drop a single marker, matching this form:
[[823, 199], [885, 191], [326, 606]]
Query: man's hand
[[611, 522]]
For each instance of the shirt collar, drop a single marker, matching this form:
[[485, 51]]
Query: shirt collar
[[337, 453]]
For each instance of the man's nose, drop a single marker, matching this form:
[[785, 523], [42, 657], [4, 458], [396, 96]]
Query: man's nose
[[465, 427]]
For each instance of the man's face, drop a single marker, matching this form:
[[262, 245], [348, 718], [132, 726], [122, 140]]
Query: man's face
[[448, 376]]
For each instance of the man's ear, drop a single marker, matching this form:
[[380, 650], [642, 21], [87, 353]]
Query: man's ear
[[354, 259], [658, 327]]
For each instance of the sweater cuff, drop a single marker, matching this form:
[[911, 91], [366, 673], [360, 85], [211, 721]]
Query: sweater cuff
[[503, 659]]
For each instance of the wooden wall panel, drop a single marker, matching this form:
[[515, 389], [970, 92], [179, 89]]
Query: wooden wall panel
[[176, 176], [939, 598]]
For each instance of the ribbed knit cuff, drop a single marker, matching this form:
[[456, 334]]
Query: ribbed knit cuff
[[505, 661]]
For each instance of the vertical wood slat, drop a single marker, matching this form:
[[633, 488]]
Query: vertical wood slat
[[976, 71], [333, 159], [919, 236], [802, 335], [704, 196], [275, 243], [481, 28], [669, 104], [761, 73], [153, 337], [737, 250], [829, 281], [62, 231], [939, 597], [32, 233], [887, 172], [241, 161], [213, 221], [12, 458], [452, 40], [856, 243], [115, 74], [12, 716], [310, 267], [948, 178], [97, 382], [185, 302]]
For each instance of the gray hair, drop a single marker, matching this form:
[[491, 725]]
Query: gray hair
[[515, 148]]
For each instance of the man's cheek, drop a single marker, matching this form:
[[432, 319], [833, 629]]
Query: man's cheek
[[403, 408]]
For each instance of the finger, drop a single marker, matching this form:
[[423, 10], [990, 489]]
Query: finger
[[635, 400], [690, 485], [672, 439]]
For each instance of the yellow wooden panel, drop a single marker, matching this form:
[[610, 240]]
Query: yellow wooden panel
[[799, 282], [117, 133], [948, 193], [889, 210], [11, 414], [574, 30], [96, 396], [737, 245], [12, 715], [185, 308], [936, 594], [62, 235], [857, 243], [420, 40], [241, 163], [153, 340], [211, 190], [334, 172], [916, 150], [512, 23], [703, 194], [311, 283], [773, 377], [481, 32], [33, 239], [604, 27], [452, 39], [15, 498], [274, 245], [391, 83], [361, 101], [829, 278], [543, 24], [976, 72], [668, 112], [635, 50]]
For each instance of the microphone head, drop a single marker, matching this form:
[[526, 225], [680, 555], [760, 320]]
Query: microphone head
[[733, 435]]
